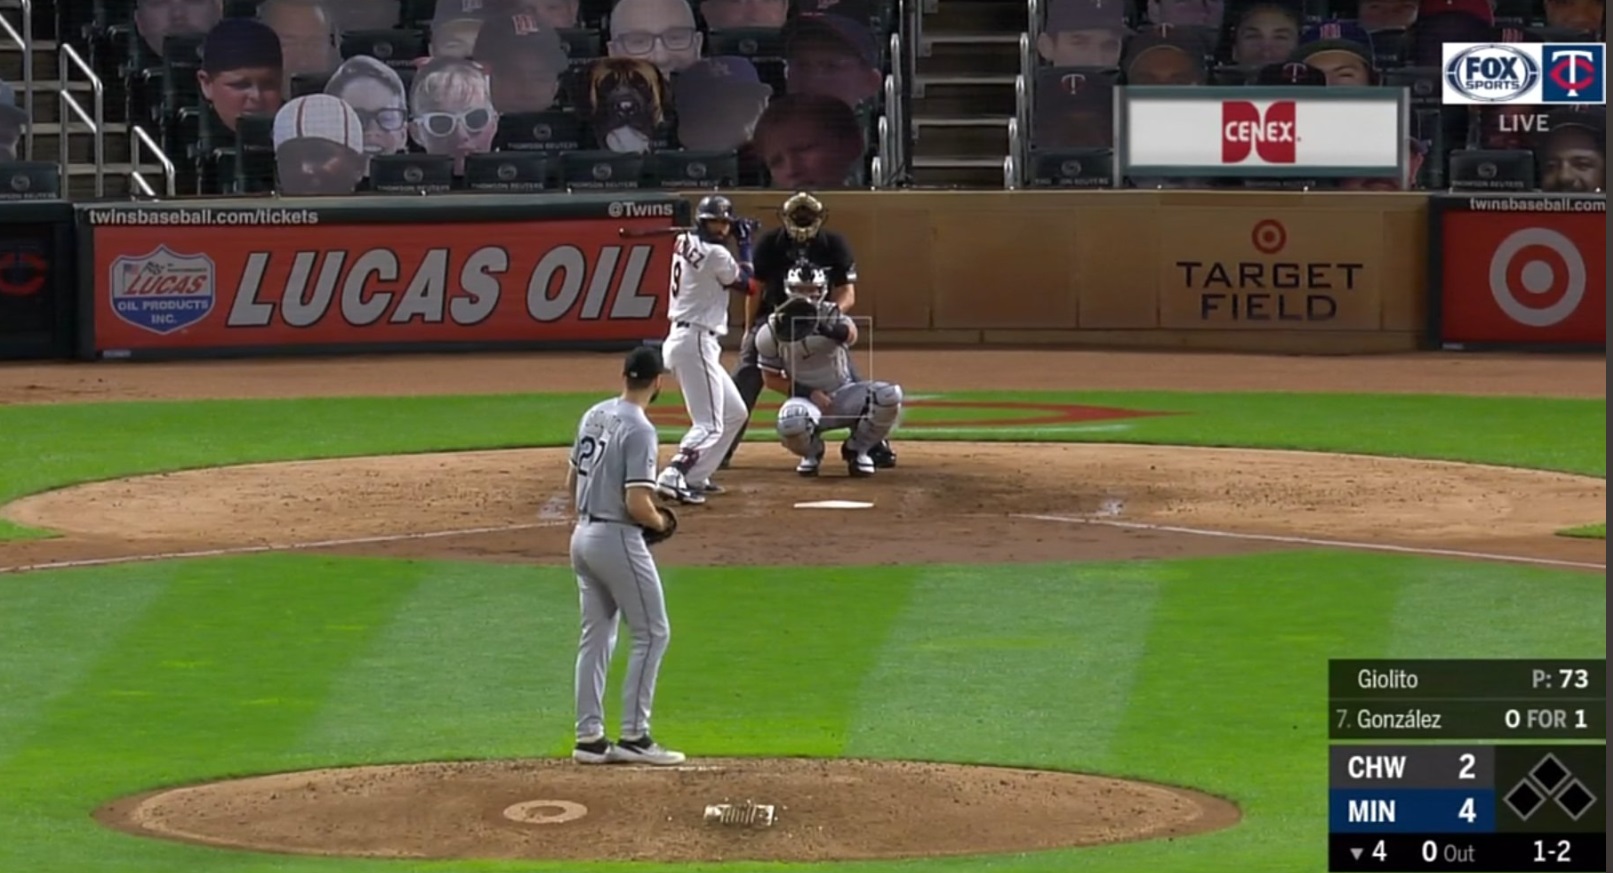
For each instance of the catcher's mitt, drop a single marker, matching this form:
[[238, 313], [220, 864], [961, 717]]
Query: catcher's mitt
[[796, 320], [651, 537]]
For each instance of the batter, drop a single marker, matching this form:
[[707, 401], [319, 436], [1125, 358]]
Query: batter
[[704, 276], [612, 481], [802, 350]]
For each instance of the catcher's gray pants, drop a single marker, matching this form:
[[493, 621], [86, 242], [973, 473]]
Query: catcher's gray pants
[[616, 577], [748, 378]]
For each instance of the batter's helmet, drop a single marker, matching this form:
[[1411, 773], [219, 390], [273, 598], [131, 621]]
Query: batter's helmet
[[713, 208]]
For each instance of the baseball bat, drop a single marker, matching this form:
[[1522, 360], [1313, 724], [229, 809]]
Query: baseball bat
[[639, 232]]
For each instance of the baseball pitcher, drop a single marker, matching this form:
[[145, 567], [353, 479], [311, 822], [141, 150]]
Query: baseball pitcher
[[704, 275], [611, 478], [803, 351]]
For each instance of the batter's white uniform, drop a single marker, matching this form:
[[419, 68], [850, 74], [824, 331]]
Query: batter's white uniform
[[701, 274]]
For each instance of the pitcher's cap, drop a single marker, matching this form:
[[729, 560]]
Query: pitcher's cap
[[644, 362]]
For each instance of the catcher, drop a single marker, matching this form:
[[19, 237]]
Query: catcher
[[802, 350], [612, 481]]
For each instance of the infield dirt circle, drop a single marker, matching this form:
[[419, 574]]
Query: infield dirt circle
[[945, 503]]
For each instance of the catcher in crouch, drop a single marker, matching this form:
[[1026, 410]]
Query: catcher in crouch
[[802, 352]]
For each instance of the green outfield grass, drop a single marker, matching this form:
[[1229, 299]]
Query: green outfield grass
[[1587, 531], [1206, 672]]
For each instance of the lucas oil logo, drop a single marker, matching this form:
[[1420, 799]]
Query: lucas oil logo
[[1491, 73], [162, 291]]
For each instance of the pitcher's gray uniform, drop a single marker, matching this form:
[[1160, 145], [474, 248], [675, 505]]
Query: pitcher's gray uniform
[[820, 362], [616, 576]]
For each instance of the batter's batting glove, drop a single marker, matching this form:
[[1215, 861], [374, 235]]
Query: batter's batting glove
[[653, 536], [745, 229]]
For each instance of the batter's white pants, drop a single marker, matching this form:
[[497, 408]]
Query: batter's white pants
[[717, 412]]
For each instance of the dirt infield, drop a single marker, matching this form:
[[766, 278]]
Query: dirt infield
[[824, 809], [945, 503]]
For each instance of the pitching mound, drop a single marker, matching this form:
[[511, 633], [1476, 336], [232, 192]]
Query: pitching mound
[[546, 809]]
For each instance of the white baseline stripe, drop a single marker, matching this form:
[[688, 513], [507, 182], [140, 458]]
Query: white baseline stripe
[[281, 547], [1312, 541]]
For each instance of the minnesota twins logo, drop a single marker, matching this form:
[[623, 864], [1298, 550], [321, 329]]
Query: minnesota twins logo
[[1575, 73]]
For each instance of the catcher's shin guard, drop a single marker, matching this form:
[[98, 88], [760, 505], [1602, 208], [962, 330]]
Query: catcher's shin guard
[[883, 412], [798, 427]]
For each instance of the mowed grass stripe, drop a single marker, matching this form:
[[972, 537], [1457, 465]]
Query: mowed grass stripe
[[219, 676], [477, 661], [1232, 698], [54, 628], [1024, 665], [768, 661], [1485, 611]]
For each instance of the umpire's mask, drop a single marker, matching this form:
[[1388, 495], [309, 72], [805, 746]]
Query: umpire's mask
[[803, 216]]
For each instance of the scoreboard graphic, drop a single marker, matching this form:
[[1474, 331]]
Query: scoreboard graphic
[[1477, 765]]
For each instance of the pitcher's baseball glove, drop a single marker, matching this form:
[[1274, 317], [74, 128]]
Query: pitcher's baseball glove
[[652, 537]]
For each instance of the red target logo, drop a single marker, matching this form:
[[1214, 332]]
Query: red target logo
[[1269, 236], [1537, 277]]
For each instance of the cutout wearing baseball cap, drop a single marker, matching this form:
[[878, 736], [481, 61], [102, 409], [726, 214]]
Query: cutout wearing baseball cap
[[1083, 33], [1341, 50], [242, 69], [832, 55], [318, 146], [524, 60], [719, 101]]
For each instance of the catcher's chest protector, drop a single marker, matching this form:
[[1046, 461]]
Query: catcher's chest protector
[[817, 362]]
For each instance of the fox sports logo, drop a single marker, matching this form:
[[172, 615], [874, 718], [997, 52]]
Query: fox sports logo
[[1492, 73]]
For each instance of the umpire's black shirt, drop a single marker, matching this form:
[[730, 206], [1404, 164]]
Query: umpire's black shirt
[[775, 253]]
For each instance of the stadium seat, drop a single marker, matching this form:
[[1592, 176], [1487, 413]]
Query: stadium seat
[[1492, 170], [395, 48], [600, 169], [553, 131], [30, 180], [680, 168], [411, 174], [507, 172], [1071, 168]]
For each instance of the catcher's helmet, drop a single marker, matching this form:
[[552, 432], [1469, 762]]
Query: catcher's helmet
[[803, 216], [806, 282]]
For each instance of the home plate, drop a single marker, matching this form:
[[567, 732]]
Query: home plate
[[835, 504]]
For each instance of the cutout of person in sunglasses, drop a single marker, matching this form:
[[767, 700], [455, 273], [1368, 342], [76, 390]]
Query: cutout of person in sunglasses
[[662, 32], [451, 109], [377, 95]]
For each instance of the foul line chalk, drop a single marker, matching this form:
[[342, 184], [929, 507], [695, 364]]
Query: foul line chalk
[[1312, 541], [835, 504], [280, 547]]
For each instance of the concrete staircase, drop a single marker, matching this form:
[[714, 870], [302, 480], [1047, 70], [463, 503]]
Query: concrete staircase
[[81, 178], [963, 92]]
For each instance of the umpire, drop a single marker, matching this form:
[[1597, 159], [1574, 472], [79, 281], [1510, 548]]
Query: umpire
[[802, 238]]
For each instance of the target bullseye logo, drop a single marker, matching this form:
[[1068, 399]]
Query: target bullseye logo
[[1537, 277], [1269, 236]]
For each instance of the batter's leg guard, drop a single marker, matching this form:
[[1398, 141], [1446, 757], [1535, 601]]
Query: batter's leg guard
[[883, 413]]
